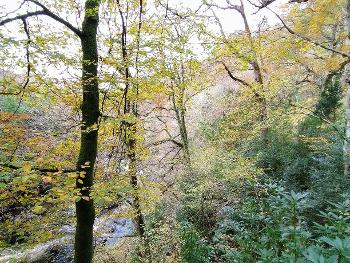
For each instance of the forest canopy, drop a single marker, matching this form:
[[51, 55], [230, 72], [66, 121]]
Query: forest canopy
[[175, 131]]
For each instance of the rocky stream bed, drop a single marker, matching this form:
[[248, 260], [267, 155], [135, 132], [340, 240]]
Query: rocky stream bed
[[108, 231]]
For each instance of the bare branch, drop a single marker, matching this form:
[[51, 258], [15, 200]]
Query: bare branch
[[266, 3], [46, 12], [179, 144], [243, 82], [14, 11], [26, 82], [228, 7], [20, 17], [297, 1], [57, 18], [235, 78]]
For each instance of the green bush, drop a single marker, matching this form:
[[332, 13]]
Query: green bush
[[194, 249]]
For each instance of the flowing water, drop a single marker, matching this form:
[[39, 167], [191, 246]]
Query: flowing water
[[108, 231]]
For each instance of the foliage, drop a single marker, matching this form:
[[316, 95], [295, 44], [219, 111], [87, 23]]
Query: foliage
[[272, 228], [223, 146]]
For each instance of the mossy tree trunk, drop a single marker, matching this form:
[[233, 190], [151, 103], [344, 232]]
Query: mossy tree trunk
[[347, 133], [180, 115], [85, 211], [347, 107]]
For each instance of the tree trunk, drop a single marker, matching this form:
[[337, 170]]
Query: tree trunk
[[131, 153], [258, 78], [347, 106], [85, 212], [139, 218], [130, 129], [180, 113], [347, 130]]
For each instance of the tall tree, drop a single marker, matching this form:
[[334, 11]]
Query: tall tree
[[85, 213], [181, 69], [258, 86], [347, 106], [131, 109]]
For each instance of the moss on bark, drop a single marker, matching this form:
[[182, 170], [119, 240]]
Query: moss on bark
[[85, 212]]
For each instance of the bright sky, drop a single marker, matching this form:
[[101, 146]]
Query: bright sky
[[230, 19]]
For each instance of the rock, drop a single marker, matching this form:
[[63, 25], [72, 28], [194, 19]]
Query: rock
[[56, 254], [108, 231], [67, 229], [55, 251]]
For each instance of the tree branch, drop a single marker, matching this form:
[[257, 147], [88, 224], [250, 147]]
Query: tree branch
[[235, 78], [290, 30], [26, 82], [57, 18], [228, 7], [243, 82], [46, 12], [39, 169], [179, 144], [20, 17], [266, 3]]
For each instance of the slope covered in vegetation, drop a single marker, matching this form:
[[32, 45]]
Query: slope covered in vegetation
[[175, 131]]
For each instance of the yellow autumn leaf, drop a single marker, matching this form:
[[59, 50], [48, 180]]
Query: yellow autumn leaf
[[26, 167], [72, 175], [37, 209]]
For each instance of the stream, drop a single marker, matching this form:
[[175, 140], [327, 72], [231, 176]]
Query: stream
[[108, 231]]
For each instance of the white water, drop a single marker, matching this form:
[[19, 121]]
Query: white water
[[108, 231]]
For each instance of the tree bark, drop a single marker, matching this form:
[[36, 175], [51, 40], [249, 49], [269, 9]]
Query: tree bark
[[347, 132], [139, 218], [130, 128], [180, 112], [347, 106], [258, 78], [85, 212]]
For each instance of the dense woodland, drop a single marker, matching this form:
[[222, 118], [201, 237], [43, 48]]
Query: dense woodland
[[196, 131]]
